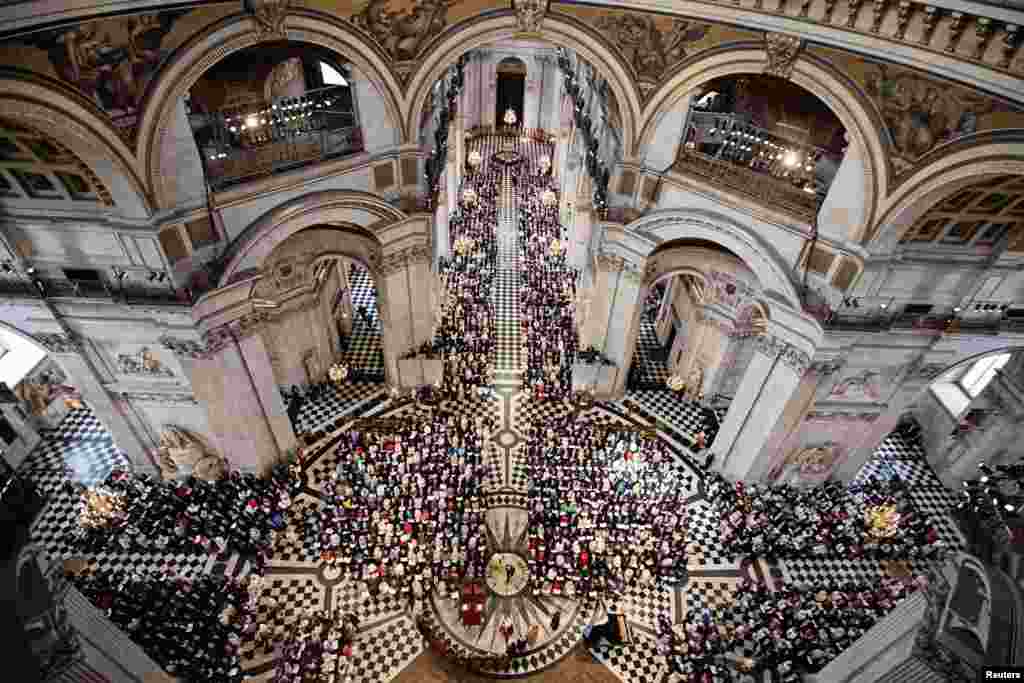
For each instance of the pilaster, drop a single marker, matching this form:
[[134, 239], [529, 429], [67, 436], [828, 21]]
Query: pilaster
[[773, 374]]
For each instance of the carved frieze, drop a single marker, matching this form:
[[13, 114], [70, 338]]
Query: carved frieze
[[183, 347], [790, 355], [782, 51], [144, 363], [826, 368], [398, 260], [830, 416], [59, 343], [403, 33], [611, 263], [162, 399], [649, 47]]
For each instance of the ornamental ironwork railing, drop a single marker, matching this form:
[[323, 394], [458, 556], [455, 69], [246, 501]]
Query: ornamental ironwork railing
[[779, 193], [254, 138]]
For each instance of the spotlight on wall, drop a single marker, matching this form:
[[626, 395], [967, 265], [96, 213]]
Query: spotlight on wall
[[31, 270], [956, 309]]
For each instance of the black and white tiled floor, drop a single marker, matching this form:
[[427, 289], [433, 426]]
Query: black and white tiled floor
[[364, 352], [82, 451], [649, 355]]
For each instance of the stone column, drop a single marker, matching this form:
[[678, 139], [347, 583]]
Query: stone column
[[69, 352], [232, 377], [580, 236], [405, 278], [442, 237], [625, 304], [772, 376]]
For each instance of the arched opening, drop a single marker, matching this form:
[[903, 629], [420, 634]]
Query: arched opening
[[767, 126], [511, 87], [271, 107], [325, 329]]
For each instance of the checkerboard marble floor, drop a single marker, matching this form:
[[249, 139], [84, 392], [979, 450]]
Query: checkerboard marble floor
[[649, 355], [505, 296], [364, 352]]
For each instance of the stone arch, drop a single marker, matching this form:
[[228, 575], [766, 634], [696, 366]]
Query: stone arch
[[346, 207], [230, 35], [86, 132], [944, 172], [920, 370], [557, 29], [664, 226], [863, 125]]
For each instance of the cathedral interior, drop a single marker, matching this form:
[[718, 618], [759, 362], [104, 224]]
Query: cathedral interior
[[461, 340]]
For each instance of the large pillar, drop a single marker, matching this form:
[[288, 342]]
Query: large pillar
[[405, 279], [781, 356], [232, 377], [69, 353], [623, 285]]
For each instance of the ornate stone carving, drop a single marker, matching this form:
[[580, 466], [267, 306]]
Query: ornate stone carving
[[767, 345], [782, 51], [796, 359], [59, 343], [163, 399], [830, 415], [530, 14], [928, 24], [142, 363], [271, 14], [648, 50], [182, 452], [878, 8], [611, 263], [223, 335], [399, 260], [983, 29], [852, 12], [826, 368], [903, 13], [956, 30], [403, 33], [183, 347]]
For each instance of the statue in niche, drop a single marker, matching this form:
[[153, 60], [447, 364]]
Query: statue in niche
[[182, 453], [867, 383]]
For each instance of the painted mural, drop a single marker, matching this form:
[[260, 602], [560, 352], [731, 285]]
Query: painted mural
[[922, 112], [652, 44], [111, 61]]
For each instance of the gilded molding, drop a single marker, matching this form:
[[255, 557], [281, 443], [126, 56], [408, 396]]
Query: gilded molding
[[59, 343]]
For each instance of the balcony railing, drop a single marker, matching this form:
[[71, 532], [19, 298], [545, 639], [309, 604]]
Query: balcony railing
[[739, 178], [248, 140], [129, 293]]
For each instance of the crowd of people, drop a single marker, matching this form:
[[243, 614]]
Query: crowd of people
[[782, 634], [548, 295], [239, 513], [404, 511], [874, 519], [606, 509], [319, 648], [194, 629]]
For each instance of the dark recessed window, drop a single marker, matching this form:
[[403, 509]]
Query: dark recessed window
[[962, 232], [82, 274], [917, 309], [77, 187]]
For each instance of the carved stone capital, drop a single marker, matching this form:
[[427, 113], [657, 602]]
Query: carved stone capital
[[59, 343], [611, 263], [826, 368], [223, 335], [399, 260], [783, 51], [790, 355]]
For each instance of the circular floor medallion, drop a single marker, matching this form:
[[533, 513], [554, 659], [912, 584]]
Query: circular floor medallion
[[507, 574]]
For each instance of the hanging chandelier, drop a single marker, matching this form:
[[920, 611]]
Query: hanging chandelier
[[548, 198], [474, 159], [545, 163], [556, 247], [469, 196], [338, 373]]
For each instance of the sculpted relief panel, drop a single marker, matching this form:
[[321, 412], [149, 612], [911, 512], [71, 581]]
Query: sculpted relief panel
[[922, 112], [110, 61]]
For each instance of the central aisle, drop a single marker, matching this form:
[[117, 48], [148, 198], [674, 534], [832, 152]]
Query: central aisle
[[510, 358]]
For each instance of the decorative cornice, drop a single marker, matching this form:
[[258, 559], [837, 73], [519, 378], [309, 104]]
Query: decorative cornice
[[223, 335], [782, 51], [826, 368], [163, 399], [828, 416], [59, 343]]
